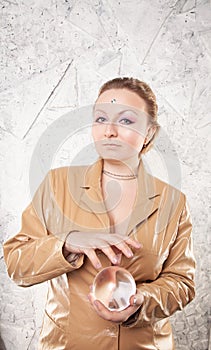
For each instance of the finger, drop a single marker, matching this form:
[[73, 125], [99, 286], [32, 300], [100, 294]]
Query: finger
[[90, 253], [114, 258], [103, 312], [114, 316], [125, 249], [117, 244], [133, 243], [123, 242], [98, 305], [91, 297], [119, 258]]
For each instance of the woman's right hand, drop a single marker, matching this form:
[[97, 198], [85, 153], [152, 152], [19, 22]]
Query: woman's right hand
[[111, 245]]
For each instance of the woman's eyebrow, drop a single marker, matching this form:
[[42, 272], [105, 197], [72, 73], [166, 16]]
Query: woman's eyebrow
[[99, 110], [127, 110], [123, 111]]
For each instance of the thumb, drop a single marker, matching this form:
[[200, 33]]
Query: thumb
[[136, 300]]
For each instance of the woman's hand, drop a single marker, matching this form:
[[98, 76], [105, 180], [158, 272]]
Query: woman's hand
[[117, 316], [112, 245]]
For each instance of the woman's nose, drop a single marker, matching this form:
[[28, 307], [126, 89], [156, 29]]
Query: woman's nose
[[110, 130]]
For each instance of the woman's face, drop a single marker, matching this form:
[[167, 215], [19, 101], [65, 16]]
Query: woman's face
[[119, 128]]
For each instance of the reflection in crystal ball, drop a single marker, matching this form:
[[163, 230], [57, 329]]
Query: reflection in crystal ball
[[114, 286]]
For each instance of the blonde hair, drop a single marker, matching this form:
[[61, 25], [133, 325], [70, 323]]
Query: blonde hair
[[145, 92]]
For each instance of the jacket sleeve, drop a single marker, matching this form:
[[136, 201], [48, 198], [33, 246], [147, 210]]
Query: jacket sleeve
[[35, 254], [174, 287]]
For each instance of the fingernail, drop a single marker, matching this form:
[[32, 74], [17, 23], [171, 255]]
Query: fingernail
[[98, 265], [96, 304], [134, 301], [119, 257], [114, 260], [130, 254]]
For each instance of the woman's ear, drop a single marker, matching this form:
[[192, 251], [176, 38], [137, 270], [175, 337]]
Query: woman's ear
[[150, 133]]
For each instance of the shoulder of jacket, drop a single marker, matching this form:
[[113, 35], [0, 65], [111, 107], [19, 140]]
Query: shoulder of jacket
[[73, 169], [62, 175]]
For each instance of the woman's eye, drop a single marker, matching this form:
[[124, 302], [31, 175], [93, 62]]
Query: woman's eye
[[100, 120], [126, 121]]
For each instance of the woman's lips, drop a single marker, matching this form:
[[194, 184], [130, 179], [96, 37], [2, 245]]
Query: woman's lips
[[111, 145]]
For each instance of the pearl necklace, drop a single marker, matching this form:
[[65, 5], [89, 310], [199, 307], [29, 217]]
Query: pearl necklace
[[117, 176]]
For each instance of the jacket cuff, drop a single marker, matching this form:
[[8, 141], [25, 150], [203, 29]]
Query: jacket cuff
[[133, 319], [75, 260]]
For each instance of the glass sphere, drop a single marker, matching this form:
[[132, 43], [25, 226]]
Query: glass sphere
[[114, 286]]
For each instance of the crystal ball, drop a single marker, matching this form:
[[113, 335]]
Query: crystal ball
[[114, 286]]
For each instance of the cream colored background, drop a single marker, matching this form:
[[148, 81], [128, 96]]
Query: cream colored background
[[55, 54]]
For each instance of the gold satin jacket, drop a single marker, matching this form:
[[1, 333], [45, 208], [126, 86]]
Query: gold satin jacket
[[70, 198]]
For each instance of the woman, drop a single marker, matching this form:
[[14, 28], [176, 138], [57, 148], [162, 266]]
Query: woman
[[84, 218]]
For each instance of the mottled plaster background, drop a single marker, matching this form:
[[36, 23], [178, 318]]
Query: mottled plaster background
[[55, 54]]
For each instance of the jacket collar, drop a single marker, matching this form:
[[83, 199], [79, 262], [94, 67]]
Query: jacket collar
[[147, 199]]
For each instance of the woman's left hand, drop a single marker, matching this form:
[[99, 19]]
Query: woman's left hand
[[116, 316]]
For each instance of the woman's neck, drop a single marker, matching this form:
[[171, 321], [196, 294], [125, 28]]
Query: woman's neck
[[128, 167]]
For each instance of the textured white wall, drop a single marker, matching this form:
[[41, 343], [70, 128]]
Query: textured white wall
[[55, 54]]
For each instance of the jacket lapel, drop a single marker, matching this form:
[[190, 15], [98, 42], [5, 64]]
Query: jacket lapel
[[147, 199], [91, 195]]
